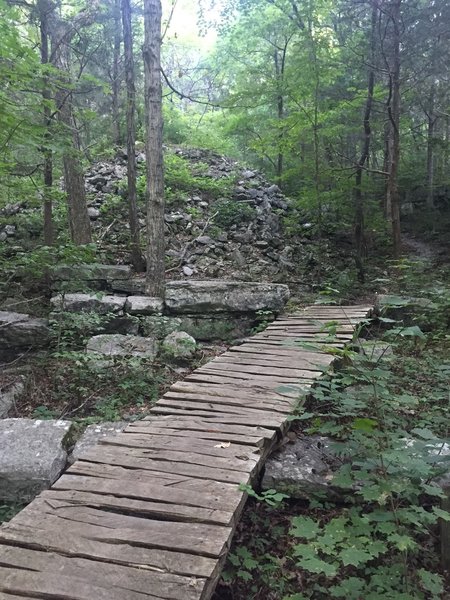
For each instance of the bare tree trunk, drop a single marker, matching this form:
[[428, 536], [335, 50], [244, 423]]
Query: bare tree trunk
[[155, 281], [115, 75], [49, 235], [280, 66], [360, 241], [79, 223], [136, 254], [430, 149], [392, 191]]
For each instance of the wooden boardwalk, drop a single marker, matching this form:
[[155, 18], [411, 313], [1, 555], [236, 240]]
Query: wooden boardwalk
[[150, 514]]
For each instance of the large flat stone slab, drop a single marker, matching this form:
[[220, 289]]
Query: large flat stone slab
[[89, 303], [32, 456], [111, 345], [19, 330], [193, 297]]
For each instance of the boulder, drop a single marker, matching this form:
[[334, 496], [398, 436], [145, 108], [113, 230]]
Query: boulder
[[111, 345], [220, 326], [302, 469], [179, 345], [94, 434], [32, 456], [144, 305], [19, 331], [194, 297], [8, 395], [89, 303]]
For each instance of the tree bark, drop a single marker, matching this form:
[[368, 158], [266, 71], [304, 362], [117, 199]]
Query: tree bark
[[392, 191], [155, 281], [49, 235], [115, 75], [135, 246]]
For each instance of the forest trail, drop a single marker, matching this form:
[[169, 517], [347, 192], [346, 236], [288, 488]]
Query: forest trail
[[150, 514]]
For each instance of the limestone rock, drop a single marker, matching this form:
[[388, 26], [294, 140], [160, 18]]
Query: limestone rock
[[89, 302], [144, 305], [111, 345], [20, 331], [302, 469], [8, 395], [193, 297], [179, 345], [94, 434], [32, 456]]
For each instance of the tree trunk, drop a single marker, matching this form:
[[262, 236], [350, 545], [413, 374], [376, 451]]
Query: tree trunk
[[430, 149], [49, 235], [360, 241], [79, 223], [155, 281], [392, 191], [115, 75], [136, 254]]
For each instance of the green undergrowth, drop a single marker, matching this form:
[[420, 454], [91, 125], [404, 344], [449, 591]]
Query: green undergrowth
[[385, 410]]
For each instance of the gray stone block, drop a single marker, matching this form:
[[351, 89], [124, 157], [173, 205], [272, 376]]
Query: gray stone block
[[89, 303], [32, 456]]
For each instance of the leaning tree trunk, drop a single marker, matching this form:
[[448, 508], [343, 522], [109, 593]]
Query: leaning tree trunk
[[136, 254], [155, 281], [392, 191]]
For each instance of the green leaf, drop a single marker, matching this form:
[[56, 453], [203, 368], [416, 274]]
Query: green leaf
[[315, 565], [365, 425], [354, 556], [431, 582], [304, 527], [442, 514]]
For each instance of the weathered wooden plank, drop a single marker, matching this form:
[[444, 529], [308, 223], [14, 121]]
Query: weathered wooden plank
[[250, 370], [53, 539], [208, 425], [287, 387], [173, 481], [281, 353], [125, 457], [191, 446], [255, 402], [144, 491], [217, 408], [263, 419], [127, 504], [217, 437], [195, 538], [126, 579], [51, 586], [245, 358], [233, 390]]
